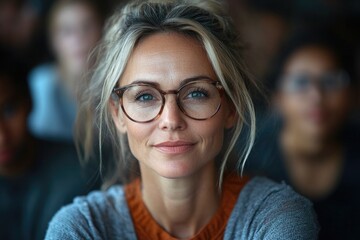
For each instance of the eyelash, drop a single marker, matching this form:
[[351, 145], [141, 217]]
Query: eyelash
[[202, 90], [141, 93]]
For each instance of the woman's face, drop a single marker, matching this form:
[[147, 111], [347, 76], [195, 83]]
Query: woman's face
[[314, 95], [173, 145], [76, 29]]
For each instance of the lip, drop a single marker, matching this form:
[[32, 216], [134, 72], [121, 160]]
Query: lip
[[317, 116], [174, 147]]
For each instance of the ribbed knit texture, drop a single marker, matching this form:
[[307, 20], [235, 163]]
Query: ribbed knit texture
[[264, 210], [147, 228]]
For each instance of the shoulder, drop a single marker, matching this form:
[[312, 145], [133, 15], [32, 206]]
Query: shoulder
[[99, 215], [269, 210]]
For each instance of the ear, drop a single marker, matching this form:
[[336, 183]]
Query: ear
[[231, 117], [117, 116]]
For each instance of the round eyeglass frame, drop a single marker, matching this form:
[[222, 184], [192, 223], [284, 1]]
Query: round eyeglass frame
[[119, 92], [315, 82]]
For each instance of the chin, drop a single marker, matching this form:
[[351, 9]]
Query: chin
[[175, 170], [317, 131]]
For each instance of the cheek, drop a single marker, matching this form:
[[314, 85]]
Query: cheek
[[339, 103], [290, 107], [62, 46], [338, 106], [137, 137], [211, 133]]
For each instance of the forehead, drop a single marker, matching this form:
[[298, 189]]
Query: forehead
[[312, 59], [167, 58], [68, 12]]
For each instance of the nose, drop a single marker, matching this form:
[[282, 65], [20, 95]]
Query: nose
[[315, 93], [171, 118]]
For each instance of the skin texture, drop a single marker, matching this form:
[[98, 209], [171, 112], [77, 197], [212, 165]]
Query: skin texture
[[75, 30], [179, 183], [13, 129]]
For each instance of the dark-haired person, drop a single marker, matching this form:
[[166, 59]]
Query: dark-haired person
[[311, 145], [36, 177]]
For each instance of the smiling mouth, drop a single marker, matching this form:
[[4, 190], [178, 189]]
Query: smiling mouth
[[174, 147]]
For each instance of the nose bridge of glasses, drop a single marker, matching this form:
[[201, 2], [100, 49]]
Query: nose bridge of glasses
[[175, 99], [316, 90]]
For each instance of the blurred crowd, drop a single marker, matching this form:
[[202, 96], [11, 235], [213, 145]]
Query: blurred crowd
[[304, 53]]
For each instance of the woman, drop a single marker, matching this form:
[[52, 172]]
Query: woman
[[74, 28], [167, 89], [315, 149]]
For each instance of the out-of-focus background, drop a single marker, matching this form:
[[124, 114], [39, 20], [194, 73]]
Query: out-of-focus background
[[26, 27], [305, 54]]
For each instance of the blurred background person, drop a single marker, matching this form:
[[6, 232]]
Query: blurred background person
[[75, 26], [21, 28], [266, 24], [37, 177], [310, 143]]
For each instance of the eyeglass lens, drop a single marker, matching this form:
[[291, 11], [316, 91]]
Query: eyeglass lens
[[199, 100], [328, 82]]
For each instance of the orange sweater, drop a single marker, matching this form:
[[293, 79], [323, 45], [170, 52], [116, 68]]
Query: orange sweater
[[147, 228]]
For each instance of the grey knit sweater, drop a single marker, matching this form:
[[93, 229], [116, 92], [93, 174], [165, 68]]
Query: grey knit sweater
[[264, 210]]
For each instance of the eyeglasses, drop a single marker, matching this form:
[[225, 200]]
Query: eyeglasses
[[328, 82], [143, 102]]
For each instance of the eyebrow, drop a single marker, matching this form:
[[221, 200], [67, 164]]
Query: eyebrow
[[182, 83]]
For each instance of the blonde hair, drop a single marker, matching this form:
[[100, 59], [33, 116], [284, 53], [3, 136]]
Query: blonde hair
[[205, 21]]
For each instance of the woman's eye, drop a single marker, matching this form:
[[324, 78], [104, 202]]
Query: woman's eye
[[145, 97], [299, 83], [197, 93]]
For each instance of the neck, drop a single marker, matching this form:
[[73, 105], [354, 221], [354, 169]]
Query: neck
[[181, 206], [314, 164]]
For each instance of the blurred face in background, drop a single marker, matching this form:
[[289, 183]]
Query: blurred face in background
[[75, 29], [18, 23], [313, 96], [14, 110]]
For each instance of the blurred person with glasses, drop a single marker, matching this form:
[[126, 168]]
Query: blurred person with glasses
[[170, 93], [310, 143]]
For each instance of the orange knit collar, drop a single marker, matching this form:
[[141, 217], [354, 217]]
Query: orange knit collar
[[147, 228]]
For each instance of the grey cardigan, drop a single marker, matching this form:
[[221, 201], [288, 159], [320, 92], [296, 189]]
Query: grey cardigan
[[264, 210]]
